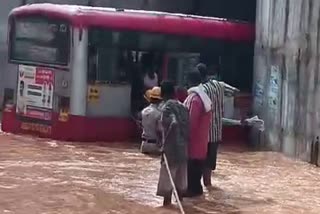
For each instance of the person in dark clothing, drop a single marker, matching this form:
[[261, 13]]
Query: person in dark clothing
[[175, 137], [200, 110], [137, 92]]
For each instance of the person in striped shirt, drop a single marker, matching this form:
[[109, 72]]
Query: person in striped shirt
[[216, 90]]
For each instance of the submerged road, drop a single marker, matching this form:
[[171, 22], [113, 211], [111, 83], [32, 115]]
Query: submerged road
[[48, 177]]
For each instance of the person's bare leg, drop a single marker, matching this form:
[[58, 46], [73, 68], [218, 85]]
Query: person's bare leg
[[167, 201], [207, 177]]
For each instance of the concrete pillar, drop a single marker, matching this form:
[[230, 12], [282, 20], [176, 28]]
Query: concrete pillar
[[79, 72]]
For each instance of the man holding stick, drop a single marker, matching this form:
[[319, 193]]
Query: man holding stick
[[175, 137]]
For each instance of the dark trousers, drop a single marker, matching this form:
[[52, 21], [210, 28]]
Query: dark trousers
[[195, 169], [211, 161]]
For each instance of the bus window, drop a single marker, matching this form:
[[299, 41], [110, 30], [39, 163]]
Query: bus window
[[172, 70], [184, 53], [110, 65], [92, 64], [39, 40], [180, 65]]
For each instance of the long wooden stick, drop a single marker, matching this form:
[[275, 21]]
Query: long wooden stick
[[175, 193]]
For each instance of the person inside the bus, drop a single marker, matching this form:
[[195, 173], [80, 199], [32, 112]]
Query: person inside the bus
[[150, 123], [150, 78], [200, 112], [137, 101], [126, 66], [175, 138]]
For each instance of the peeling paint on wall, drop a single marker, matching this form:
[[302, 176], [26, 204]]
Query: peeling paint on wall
[[288, 41], [273, 96], [258, 94]]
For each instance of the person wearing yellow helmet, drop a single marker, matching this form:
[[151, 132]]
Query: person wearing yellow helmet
[[150, 122]]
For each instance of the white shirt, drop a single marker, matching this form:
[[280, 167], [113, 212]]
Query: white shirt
[[150, 83], [150, 118]]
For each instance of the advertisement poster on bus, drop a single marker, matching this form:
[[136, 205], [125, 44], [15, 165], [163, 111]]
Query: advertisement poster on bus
[[35, 92]]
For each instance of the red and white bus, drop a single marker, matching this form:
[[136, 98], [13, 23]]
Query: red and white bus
[[79, 67]]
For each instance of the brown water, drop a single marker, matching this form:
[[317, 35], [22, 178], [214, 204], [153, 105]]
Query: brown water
[[39, 176]]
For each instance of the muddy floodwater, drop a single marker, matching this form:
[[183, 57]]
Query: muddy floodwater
[[48, 177]]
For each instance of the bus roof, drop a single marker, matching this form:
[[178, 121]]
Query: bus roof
[[146, 21]]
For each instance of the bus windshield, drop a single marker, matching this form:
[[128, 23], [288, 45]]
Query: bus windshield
[[39, 40]]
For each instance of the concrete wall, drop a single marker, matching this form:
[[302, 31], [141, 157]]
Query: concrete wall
[[287, 73]]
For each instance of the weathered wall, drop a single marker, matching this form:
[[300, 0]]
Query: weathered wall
[[287, 73]]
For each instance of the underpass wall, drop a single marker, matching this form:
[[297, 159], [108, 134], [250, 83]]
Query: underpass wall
[[286, 77]]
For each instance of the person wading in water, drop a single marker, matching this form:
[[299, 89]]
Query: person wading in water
[[175, 138], [200, 114], [216, 90], [150, 123]]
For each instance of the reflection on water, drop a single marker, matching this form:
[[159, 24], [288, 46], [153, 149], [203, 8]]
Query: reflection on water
[[39, 176]]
